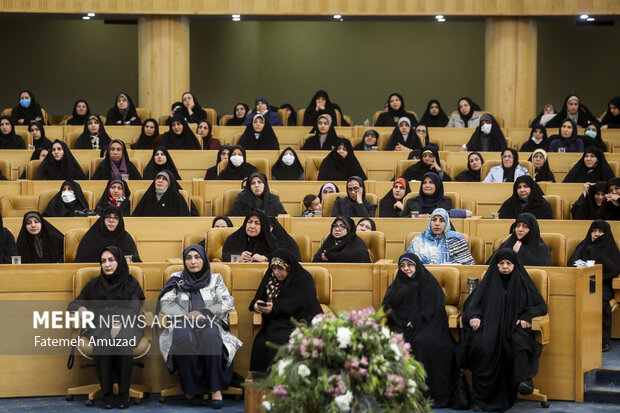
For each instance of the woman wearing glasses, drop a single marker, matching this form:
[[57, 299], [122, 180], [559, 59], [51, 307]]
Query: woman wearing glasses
[[509, 170], [342, 244]]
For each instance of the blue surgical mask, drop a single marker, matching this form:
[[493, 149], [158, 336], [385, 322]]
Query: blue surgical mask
[[591, 133], [25, 103]]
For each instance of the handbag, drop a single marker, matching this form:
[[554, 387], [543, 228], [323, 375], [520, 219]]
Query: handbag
[[461, 396]]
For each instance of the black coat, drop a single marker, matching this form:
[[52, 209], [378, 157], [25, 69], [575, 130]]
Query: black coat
[[58, 208], [336, 168], [349, 248], [246, 201], [51, 240], [171, 204], [7, 244], [533, 250], [105, 199], [536, 204], [104, 170], [239, 241]]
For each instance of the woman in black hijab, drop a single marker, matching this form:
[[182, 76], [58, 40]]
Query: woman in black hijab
[[611, 119], [259, 135], [434, 116], [325, 137], [525, 240], [600, 246], [109, 229], [430, 163], [592, 137], [567, 139], [116, 163], [391, 205], [222, 155], [509, 170], [191, 110], [39, 140], [39, 241], [80, 113], [239, 113], [287, 167], [93, 136], [488, 136], [429, 198], [365, 225], [340, 163], [148, 135], [369, 141], [474, 166], [68, 202], [342, 244], [403, 137], [415, 304], [179, 136], [160, 160], [252, 242], [27, 110], [282, 239], [355, 203], [538, 139], [497, 343], [542, 171], [256, 195], [319, 105], [7, 244], [286, 292], [162, 198], [466, 116], [237, 167], [205, 131], [291, 119], [124, 294], [610, 210], [123, 112], [59, 164], [526, 197], [588, 204], [395, 111], [592, 167], [574, 110], [116, 194], [8, 138]]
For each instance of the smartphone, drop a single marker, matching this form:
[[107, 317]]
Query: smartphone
[[261, 304]]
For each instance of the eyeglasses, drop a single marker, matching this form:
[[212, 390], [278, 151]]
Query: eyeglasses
[[406, 264], [338, 226], [507, 156]]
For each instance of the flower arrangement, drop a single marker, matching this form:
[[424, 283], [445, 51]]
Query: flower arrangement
[[346, 363]]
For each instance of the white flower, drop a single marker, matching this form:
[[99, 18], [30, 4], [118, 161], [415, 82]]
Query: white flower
[[344, 401], [282, 365], [385, 331], [412, 386], [343, 335], [303, 370], [318, 319], [296, 333], [267, 405], [397, 354]]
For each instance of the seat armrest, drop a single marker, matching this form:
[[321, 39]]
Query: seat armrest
[[542, 326], [257, 319], [454, 321], [233, 318]]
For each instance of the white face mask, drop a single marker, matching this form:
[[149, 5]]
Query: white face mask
[[486, 128], [536, 141], [67, 197], [288, 159], [236, 160]]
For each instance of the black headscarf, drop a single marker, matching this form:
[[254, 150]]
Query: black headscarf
[[566, 142], [596, 141], [413, 140], [115, 114], [335, 167], [234, 121], [239, 241], [586, 207], [509, 173], [106, 170], [530, 145], [282, 239], [386, 205], [66, 169], [292, 118], [373, 225], [27, 114], [152, 169], [267, 139], [98, 237], [281, 172], [76, 119], [246, 201], [144, 141], [544, 172], [362, 146], [212, 171], [198, 112], [584, 116], [392, 117], [7, 244], [11, 140], [497, 140], [106, 200], [313, 143], [349, 248], [416, 308], [348, 207], [186, 140], [171, 203], [534, 203], [232, 172], [612, 122], [470, 175], [320, 194], [43, 141], [416, 172], [440, 120], [533, 250], [601, 171], [311, 115], [602, 250], [608, 210], [88, 141], [466, 118], [229, 223], [430, 202], [499, 301], [45, 247], [58, 208]]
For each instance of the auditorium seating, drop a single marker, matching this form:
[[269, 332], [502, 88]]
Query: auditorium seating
[[5, 168], [216, 237], [555, 242], [73, 237], [375, 242]]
